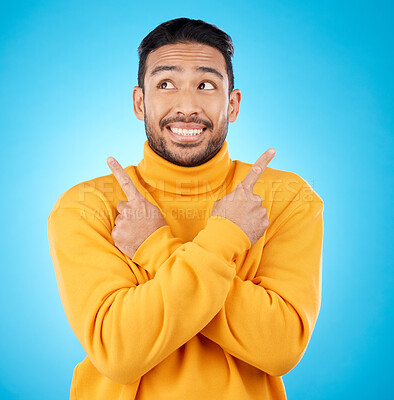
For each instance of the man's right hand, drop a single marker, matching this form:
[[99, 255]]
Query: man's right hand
[[242, 206], [138, 218]]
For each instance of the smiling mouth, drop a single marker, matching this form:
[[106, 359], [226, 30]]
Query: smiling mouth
[[186, 132]]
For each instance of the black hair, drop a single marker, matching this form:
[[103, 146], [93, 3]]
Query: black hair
[[185, 30]]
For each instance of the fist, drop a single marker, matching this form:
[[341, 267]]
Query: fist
[[242, 206]]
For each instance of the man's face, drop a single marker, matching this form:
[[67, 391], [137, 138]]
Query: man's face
[[186, 87]]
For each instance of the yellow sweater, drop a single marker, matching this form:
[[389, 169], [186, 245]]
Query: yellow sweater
[[197, 313]]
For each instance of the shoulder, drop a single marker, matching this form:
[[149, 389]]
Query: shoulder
[[282, 191], [288, 186], [280, 183], [103, 192]]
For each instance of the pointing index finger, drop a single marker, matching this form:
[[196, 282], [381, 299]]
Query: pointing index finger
[[124, 180], [258, 168]]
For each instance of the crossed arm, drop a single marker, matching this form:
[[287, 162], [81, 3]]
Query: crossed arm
[[267, 321], [126, 328]]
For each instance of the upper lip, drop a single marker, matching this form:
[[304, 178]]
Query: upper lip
[[185, 125]]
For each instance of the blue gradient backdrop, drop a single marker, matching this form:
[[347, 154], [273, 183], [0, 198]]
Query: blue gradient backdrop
[[317, 85]]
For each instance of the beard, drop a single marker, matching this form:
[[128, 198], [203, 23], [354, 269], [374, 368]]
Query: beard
[[184, 157]]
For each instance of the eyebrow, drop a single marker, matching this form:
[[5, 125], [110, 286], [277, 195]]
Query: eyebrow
[[161, 68]]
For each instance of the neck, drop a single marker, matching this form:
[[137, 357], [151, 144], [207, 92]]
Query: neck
[[169, 177]]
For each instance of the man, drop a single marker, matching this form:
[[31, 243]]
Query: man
[[189, 276]]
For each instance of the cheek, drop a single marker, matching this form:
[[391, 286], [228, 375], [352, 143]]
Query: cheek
[[156, 109], [154, 112], [221, 114], [217, 109]]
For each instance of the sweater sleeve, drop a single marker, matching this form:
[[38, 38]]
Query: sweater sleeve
[[268, 321], [127, 327], [164, 244]]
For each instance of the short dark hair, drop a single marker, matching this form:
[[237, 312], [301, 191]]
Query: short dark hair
[[185, 30]]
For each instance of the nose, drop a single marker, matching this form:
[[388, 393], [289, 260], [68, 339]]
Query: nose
[[187, 103]]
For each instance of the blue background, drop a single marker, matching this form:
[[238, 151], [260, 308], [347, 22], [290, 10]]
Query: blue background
[[317, 85]]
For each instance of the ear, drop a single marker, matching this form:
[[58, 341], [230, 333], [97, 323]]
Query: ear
[[138, 103], [233, 107]]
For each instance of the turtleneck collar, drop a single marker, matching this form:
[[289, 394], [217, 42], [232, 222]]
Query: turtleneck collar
[[168, 177]]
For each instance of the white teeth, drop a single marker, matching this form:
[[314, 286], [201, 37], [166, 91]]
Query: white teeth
[[186, 132]]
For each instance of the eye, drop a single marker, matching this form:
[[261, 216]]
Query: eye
[[207, 85], [165, 85]]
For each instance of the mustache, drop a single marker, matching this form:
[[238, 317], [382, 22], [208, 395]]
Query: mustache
[[195, 120]]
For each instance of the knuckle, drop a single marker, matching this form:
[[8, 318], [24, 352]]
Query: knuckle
[[140, 201], [119, 219], [125, 183], [121, 205], [114, 234], [126, 213], [132, 213]]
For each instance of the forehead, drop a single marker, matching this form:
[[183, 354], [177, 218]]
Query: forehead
[[186, 55]]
